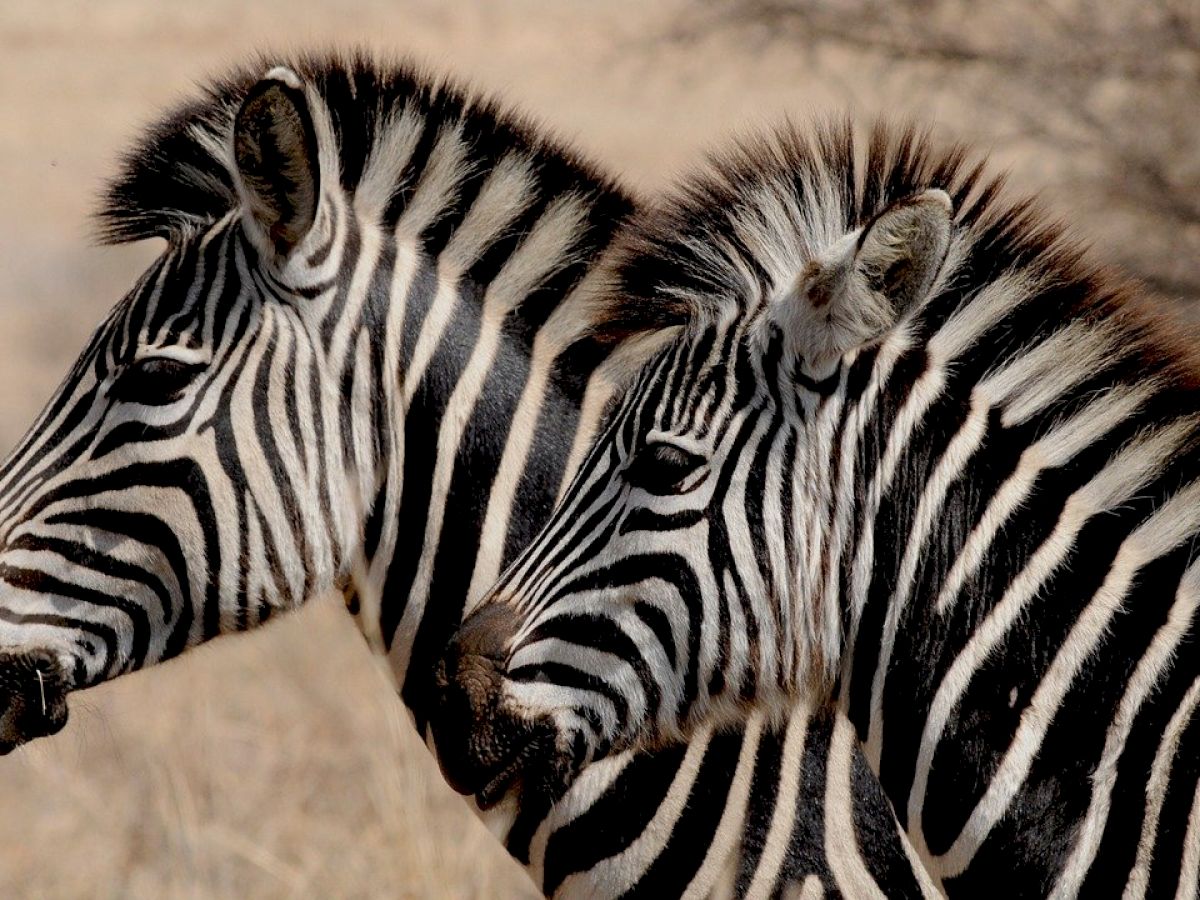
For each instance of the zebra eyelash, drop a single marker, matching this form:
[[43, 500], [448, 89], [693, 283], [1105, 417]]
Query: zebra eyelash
[[663, 469], [154, 380]]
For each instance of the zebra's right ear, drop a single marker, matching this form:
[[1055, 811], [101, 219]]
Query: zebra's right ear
[[278, 167], [860, 286]]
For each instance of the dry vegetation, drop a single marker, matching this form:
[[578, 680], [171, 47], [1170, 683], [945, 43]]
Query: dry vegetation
[[280, 764]]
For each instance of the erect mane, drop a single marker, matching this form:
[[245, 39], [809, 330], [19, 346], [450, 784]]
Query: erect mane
[[743, 227], [179, 176]]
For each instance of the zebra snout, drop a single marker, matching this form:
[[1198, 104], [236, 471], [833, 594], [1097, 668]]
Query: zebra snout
[[33, 697], [483, 745]]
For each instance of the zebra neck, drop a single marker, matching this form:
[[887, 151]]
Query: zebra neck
[[465, 262], [477, 424]]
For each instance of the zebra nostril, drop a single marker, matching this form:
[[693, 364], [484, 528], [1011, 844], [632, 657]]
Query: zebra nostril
[[33, 697]]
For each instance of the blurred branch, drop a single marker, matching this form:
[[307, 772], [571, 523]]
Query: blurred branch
[[1107, 89], [1086, 48]]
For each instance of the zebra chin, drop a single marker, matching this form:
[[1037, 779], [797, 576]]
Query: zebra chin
[[485, 746], [33, 697]]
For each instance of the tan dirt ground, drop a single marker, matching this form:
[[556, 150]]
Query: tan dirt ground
[[280, 764]]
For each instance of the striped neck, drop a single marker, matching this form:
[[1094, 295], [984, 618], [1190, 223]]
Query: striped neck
[[370, 309], [483, 399], [453, 292]]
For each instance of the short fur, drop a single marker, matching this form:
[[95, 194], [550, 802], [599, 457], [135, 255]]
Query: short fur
[[179, 176], [739, 228], [497, 229], [979, 529]]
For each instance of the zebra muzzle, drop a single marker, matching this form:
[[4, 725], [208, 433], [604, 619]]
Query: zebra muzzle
[[485, 747], [33, 697]]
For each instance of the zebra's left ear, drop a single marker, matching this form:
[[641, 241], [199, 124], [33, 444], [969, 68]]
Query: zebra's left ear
[[279, 175], [858, 289]]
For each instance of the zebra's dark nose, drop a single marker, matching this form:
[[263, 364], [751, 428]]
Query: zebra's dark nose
[[482, 745], [33, 697], [477, 651]]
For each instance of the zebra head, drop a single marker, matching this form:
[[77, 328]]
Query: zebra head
[[161, 497], [683, 576]]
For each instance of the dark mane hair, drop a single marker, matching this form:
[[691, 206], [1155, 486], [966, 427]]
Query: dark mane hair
[[758, 211], [178, 177]]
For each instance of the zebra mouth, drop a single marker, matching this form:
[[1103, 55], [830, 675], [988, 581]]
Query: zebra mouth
[[33, 697], [527, 771], [516, 757], [484, 746]]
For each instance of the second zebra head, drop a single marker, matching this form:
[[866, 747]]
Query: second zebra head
[[687, 571]]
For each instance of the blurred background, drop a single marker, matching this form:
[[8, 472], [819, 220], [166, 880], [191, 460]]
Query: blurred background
[[280, 764]]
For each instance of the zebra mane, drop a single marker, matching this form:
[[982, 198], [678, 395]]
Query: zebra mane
[[744, 227], [179, 176]]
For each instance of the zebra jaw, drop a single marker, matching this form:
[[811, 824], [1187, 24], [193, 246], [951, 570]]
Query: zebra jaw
[[33, 697]]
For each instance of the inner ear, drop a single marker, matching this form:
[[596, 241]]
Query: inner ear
[[860, 286], [275, 147], [904, 247]]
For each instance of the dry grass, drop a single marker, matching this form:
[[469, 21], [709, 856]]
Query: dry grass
[[275, 765], [280, 764]]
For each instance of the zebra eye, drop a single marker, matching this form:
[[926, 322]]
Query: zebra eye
[[154, 380], [663, 469]]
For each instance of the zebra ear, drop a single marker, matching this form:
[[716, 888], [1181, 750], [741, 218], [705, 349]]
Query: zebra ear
[[275, 147], [859, 288], [902, 250]]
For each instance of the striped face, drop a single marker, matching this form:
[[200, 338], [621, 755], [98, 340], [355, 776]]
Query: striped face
[[682, 576], [161, 497], [618, 625], [178, 485]]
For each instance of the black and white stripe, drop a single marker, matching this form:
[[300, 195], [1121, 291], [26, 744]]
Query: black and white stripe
[[215, 453], [781, 806], [911, 454], [366, 360]]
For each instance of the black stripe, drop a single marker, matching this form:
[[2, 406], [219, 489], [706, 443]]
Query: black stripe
[[674, 868], [614, 820]]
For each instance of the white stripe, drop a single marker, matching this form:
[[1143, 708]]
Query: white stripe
[[1190, 869], [1157, 658], [1119, 480], [925, 391], [397, 138], [1156, 792], [543, 252], [783, 816], [439, 184], [722, 855], [1175, 521], [841, 838], [370, 249], [593, 783], [929, 508], [617, 874], [1053, 450]]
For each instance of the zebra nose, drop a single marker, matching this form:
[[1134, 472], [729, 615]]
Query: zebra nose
[[478, 740], [483, 635], [33, 697], [469, 677]]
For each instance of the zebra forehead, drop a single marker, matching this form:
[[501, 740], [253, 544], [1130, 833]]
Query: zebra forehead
[[178, 178]]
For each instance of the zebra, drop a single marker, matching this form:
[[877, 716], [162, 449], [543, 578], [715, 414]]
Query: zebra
[[910, 453], [371, 330]]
